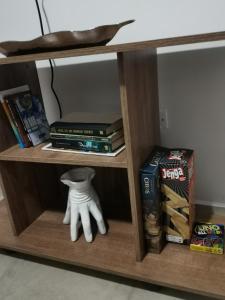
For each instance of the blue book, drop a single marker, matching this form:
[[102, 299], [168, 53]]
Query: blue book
[[30, 112], [32, 115]]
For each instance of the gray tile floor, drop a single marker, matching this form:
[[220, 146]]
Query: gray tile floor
[[23, 278]]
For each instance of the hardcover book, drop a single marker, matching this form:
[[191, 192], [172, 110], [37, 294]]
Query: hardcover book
[[92, 124], [76, 137], [27, 111], [12, 123], [88, 145], [20, 127], [32, 115]]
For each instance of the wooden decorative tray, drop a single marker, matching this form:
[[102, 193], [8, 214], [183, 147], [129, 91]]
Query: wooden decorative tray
[[63, 40]]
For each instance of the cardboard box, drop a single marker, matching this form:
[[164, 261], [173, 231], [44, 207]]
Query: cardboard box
[[208, 238], [177, 184], [151, 202]]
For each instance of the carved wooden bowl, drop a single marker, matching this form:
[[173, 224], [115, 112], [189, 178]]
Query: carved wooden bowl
[[63, 40]]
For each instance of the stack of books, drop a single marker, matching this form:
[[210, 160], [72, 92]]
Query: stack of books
[[26, 116], [95, 132]]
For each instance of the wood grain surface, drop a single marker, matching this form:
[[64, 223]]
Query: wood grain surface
[[18, 180], [139, 103], [36, 154], [114, 253], [21, 192], [26, 175], [173, 41]]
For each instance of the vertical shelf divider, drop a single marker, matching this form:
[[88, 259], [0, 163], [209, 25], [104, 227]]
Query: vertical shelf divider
[[21, 193], [18, 180], [140, 111]]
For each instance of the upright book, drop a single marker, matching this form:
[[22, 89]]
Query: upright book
[[12, 123], [27, 115], [85, 123]]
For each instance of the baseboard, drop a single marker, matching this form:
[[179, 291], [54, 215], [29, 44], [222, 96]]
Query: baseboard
[[208, 208], [209, 203]]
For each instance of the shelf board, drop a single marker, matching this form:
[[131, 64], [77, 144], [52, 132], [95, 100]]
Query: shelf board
[[174, 41], [37, 155], [175, 267]]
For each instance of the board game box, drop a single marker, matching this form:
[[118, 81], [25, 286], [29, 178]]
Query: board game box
[[151, 202], [177, 185], [208, 238]]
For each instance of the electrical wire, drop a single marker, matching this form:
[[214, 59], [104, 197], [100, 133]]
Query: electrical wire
[[50, 62], [46, 16], [40, 18]]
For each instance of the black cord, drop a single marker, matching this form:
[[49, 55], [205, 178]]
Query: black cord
[[50, 62], [40, 18]]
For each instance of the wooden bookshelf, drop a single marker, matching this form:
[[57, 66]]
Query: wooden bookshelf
[[34, 196], [135, 69]]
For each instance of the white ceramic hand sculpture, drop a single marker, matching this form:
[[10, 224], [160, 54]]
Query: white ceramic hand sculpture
[[82, 199]]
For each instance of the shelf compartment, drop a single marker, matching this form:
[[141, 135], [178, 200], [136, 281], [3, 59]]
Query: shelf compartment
[[32, 188], [48, 237], [114, 253], [36, 154]]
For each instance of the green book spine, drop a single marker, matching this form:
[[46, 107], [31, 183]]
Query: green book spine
[[83, 145]]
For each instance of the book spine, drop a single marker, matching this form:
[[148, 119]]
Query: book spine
[[14, 128], [18, 124], [22, 122], [21, 119], [75, 137], [83, 145], [78, 131]]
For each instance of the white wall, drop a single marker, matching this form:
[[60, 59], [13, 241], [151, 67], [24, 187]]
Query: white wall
[[192, 89], [89, 85], [191, 84]]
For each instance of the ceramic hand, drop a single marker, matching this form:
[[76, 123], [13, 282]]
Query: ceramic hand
[[82, 200], [82, 210]]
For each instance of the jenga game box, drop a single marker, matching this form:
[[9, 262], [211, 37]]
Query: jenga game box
[[177, 184], [151, 202]]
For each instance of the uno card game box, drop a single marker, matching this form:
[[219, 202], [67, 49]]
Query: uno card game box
[[208, 238], [151, 202], [177, 183]]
